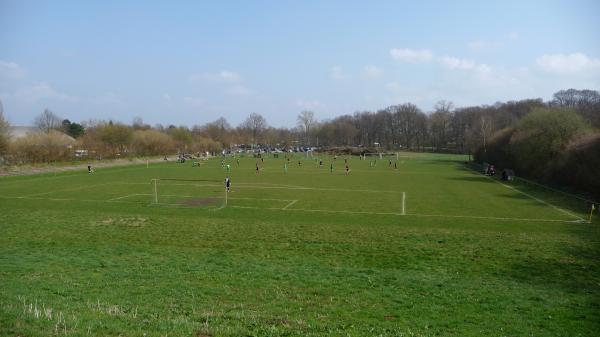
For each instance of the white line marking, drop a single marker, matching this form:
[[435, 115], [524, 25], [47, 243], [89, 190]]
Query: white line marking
[[290, 204], [531, 196], [543, 202], [286, 187], [403, 203], [219, 197], [315, 210], [65, 190], [125, 196], [557, 190]]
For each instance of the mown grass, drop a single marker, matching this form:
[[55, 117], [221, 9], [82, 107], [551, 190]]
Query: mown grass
[[72, 263]]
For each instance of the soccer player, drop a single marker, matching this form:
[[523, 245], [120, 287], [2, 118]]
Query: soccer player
[[331, 168], [228, 184], [228, 169], [347, 169], [257, 168], [90, 169], [299, 163], [395, 165], [238, 162]]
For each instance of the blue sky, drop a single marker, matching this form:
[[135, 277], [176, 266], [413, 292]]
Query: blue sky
[[192, 62]]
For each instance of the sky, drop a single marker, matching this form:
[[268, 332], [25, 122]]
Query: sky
[[187, 63]]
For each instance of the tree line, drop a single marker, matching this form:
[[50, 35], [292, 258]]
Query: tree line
[[479, 130]]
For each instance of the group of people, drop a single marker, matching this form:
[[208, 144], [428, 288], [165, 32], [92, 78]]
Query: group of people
[[507, 174]]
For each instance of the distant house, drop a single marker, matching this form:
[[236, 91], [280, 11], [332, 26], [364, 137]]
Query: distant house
[[17, 132]]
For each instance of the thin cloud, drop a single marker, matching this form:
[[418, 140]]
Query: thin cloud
[[568, 63], [224, 76], [41, 91], [371, 71], [11, 70], [454, 63], [411, 55]]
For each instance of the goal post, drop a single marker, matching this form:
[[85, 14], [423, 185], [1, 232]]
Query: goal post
[[188, 192]]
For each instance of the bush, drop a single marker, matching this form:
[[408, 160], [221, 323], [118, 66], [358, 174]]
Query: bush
[[151, 142], [578, 166], [551, 145], [498, 149], [542, 136]]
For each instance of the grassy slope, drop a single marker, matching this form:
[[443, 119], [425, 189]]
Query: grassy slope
[[126, 268]]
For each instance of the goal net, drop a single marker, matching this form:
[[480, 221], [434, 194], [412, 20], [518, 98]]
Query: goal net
[[188, 192]]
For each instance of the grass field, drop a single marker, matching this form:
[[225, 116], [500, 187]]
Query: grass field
[[432, 248]]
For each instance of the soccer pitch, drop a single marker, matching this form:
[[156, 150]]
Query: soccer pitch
[[430, 248]]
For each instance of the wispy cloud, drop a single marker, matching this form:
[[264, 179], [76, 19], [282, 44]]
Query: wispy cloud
[[568, 63], [11, 70], [411, 55], [454, 63], [227, 76], [41, 91], [371, 71]]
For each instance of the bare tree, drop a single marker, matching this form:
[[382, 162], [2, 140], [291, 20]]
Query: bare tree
[[306, 120], [444, 106], [47, 121], [486, 129], [256, 124]]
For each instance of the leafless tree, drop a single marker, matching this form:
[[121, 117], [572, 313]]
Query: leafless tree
[[47, 121], [306, 120], [255, 124]]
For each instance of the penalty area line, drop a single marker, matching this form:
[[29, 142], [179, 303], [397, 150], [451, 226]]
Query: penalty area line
[[290, 204]]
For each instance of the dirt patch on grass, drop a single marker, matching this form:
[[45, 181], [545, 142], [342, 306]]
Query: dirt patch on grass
[[203, 334], [200, 202]]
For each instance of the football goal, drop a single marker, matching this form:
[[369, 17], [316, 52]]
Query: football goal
[[188, 192]]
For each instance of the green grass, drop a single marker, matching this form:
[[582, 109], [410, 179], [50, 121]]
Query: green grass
[[307, 253]]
